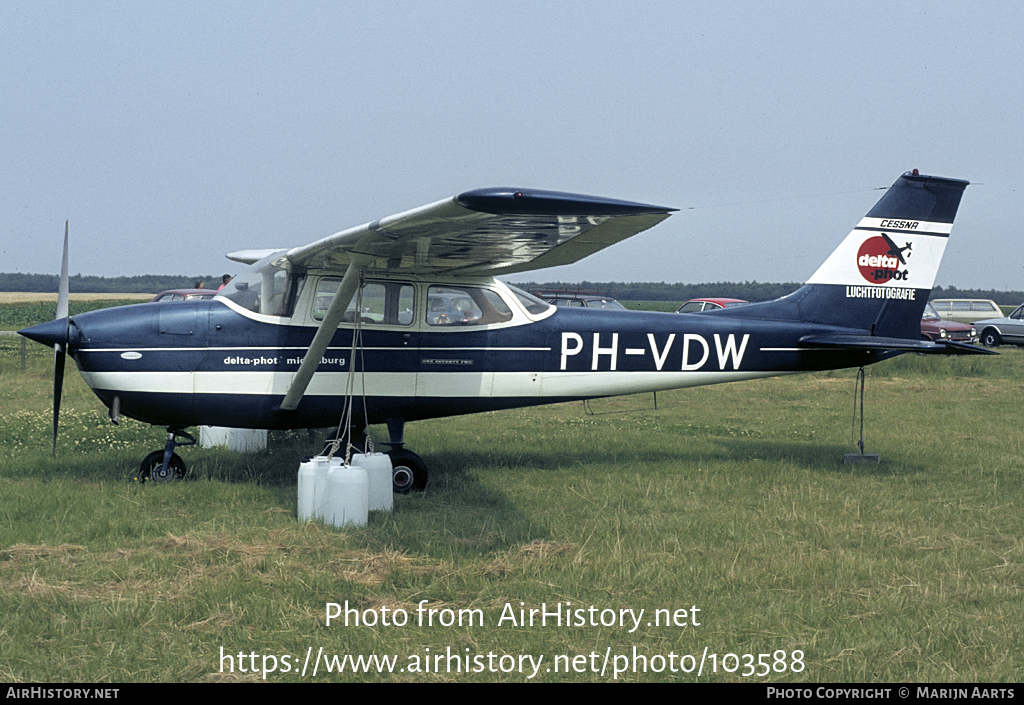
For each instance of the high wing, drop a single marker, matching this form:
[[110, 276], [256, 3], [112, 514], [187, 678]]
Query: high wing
[[483, 232]]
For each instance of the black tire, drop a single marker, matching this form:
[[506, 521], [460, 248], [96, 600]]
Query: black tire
[[408, 471], [151, 466], [990, 338]]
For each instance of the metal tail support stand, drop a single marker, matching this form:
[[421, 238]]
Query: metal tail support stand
[[860, 457]]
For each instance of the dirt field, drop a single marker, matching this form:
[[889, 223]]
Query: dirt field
[[22, 297]]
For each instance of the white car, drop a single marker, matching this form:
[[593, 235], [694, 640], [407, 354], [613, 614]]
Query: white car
[[1008, 329], [966, 310]]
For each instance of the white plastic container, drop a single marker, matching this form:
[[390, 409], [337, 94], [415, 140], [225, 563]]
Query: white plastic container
[[313, 488], [240, 440], [378, 468], [348, 495]]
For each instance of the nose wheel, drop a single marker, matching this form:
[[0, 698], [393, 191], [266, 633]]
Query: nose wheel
[[153, 468], [166, 465]]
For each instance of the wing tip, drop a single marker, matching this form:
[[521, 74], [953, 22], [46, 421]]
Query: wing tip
[[250, 256], [519, 201]]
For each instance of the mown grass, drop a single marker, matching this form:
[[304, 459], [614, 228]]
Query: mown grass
[[733, 499], [664, 306], [15, 316]]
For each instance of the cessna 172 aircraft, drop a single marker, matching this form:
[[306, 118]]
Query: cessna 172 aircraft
[[439, 336]]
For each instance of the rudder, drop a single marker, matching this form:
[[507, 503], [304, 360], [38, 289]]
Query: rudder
[[880, 276]]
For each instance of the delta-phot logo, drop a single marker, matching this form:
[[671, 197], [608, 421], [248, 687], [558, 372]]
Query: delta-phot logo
[[879, 260]]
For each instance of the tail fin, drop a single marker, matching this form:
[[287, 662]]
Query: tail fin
[[876, 283], [880, 276]]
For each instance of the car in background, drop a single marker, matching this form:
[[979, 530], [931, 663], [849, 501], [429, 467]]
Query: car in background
[[934, 329], [698, 305], [183, 295], [579, 299], [966, 310], [1008, 329]]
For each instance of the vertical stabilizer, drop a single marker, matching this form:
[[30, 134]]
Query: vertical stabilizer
[[880, 276]]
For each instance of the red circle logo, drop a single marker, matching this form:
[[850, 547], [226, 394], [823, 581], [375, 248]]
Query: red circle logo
[[877, 263]]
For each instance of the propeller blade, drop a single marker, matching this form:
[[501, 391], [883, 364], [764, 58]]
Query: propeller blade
[[58, 385], [60, 350], [62, 291]]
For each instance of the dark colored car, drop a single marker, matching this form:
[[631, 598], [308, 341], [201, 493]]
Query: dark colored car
[[934, 328], [579, 300], [184, 295], [698, 305]]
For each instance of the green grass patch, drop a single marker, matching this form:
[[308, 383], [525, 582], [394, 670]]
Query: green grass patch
[[664, 306], [732, 499], [15, 316]]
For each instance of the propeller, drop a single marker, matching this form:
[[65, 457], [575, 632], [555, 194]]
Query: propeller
[[60, 350]]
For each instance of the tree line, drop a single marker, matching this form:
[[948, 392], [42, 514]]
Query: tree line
[[627, 291], [748, 291], [142, 284]]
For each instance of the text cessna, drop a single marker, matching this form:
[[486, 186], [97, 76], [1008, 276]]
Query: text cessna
[[695, 350]]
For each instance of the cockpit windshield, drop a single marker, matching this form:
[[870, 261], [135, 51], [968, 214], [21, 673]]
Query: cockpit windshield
[[530, 302], [267, 287]]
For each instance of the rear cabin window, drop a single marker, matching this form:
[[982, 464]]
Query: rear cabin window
[[386, 303]]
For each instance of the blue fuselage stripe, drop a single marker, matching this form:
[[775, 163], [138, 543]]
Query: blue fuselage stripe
[[237, 368]]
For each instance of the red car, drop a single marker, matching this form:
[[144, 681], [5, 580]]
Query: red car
[[697, 305], [934, 328]]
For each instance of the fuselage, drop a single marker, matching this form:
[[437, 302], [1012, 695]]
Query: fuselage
[[427, 350]]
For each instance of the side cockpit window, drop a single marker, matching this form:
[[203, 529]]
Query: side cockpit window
[[388, 303], [465, 306]]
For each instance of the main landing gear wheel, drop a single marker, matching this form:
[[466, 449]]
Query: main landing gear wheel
[[152, 468], [408, 471]]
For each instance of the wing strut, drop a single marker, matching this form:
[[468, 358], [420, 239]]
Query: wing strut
[[324, 333]]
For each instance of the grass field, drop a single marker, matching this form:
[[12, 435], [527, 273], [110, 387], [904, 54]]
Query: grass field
[[20, 310], [728, 509], [18, 297]]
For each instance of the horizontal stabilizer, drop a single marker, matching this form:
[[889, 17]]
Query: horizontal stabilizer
[[872, 342]]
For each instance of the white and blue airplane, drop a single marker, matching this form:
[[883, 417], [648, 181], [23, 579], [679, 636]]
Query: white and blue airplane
[[437, 335]]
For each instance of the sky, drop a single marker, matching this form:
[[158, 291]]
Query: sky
[[172, 133]]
